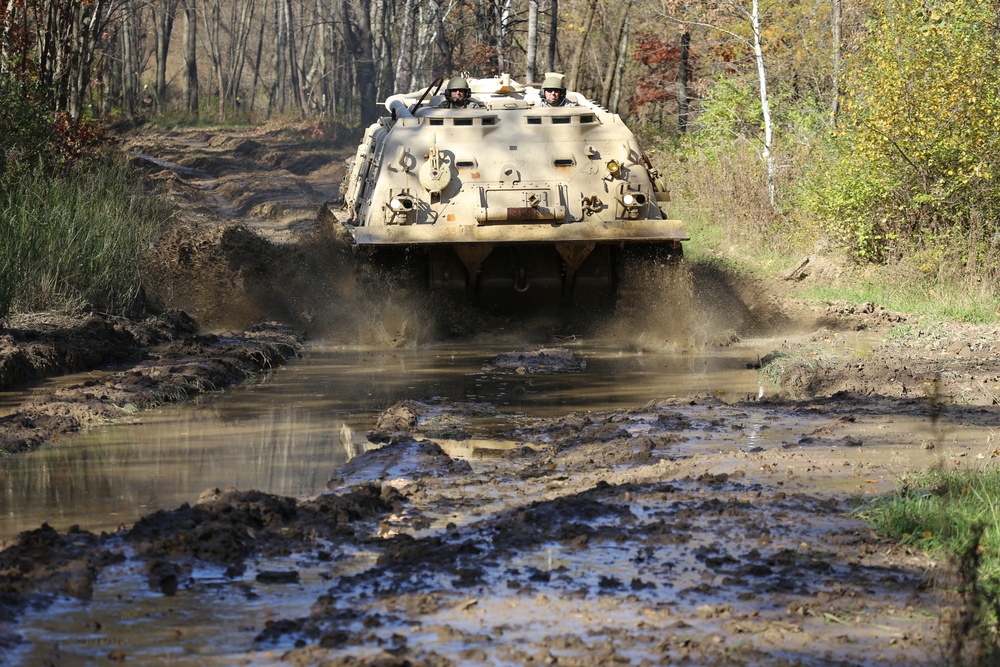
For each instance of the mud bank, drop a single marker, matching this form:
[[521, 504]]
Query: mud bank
[[136, 366]]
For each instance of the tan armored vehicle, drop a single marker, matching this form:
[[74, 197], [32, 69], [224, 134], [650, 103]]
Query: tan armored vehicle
[[507, 200]]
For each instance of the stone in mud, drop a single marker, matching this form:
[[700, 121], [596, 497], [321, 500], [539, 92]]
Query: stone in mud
[[543, 360], [399, 463], [396, 422], [278, 577]]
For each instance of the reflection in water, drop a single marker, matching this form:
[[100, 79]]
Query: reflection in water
[[287, 434]]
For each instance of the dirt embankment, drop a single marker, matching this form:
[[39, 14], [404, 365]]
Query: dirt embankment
[[244, 270], [658, 535]]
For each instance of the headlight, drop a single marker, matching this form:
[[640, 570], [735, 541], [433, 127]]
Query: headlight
[[613, 167], [401, 204]]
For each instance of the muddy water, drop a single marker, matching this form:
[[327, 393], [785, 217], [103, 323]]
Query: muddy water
[[286, 434]]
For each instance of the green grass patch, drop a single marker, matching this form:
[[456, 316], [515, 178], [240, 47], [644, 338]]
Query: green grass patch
[[953, 514], [937, 299], [935, 510], [75, 241]]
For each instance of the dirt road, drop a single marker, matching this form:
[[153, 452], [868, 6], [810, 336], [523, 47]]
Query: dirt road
[[665, 534]]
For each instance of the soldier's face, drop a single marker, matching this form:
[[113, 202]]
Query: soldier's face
[[552, 95], [457, 96]]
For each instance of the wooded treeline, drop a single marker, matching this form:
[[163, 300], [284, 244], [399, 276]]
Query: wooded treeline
[[337, 59]]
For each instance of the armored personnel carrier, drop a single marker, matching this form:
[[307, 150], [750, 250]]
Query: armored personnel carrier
[[506, 201]]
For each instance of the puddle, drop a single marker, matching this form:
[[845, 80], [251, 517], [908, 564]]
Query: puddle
[[211, 620], [288, 434]]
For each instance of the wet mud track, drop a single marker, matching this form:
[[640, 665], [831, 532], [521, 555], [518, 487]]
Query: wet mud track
[[649, 536], [685, 531]]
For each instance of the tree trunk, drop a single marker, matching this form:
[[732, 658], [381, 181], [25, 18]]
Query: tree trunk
[[553, 28], [258, 58], [502, 27], [404, 62], [163, 27], [211, 17], [620, 67], [683, 78], [532, 47], [191, 56], [294, 67], [381, 48], [238, 45], [764, 103], [130, 64], [358, 40], [574, 72], [609, 74], [835, 83], [276, 99]]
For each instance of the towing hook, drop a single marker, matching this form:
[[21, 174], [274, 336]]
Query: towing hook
[[521, 282]]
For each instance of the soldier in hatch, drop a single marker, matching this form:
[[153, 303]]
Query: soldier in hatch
[[458, 95], [554, 92]]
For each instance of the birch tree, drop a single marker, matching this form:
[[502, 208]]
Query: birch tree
[[751, 17]]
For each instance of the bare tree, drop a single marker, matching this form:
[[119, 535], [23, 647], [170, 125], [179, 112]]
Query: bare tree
[[211, 16], [532, 42], [553, 28], [258, 56], [191, 57], [621, 43], [683, 79], [241, 20], [163, 13], [588, 22]]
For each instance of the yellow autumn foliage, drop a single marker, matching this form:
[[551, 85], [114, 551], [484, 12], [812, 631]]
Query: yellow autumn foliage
[[918, 143]]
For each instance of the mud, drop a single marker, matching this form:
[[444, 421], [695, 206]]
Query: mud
[[678, 532]]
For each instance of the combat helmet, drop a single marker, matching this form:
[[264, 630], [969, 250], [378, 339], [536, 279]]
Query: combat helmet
[[554, 81], [458, 83]]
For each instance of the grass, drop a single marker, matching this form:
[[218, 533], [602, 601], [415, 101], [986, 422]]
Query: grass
[[956, 515], [937, 299], [720, 197], [937, 511], [76, 241], [899, 287]]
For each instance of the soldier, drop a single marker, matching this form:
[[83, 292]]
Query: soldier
[[554, 92], [458, 95]]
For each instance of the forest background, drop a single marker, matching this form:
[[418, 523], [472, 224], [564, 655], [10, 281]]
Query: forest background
[[869, 128]]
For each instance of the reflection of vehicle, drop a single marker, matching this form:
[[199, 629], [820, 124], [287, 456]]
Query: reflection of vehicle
[[507, 202]]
